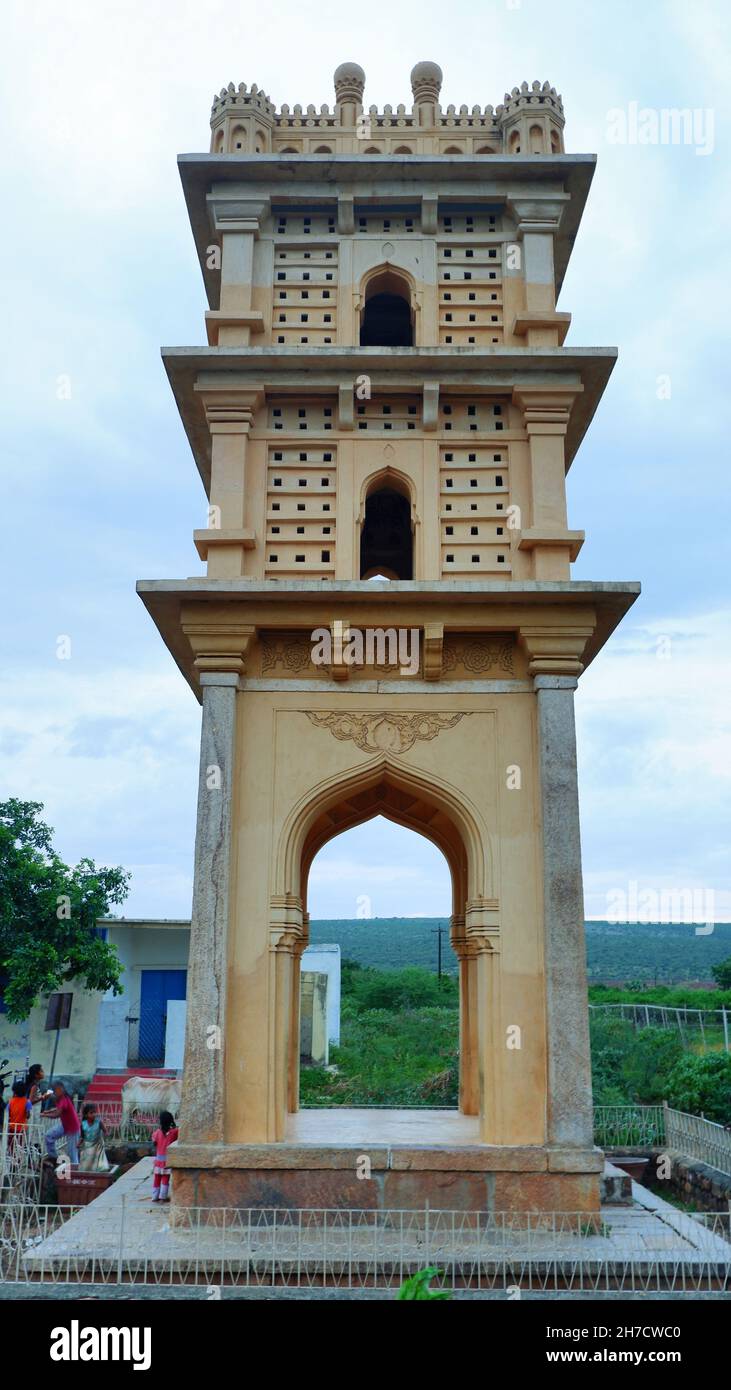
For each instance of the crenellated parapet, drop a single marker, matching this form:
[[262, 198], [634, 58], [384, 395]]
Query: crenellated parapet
[[530, 121]]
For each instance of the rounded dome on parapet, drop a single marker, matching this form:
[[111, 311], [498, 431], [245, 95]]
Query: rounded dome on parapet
[[349, 79], [349, 72], [426, 81]]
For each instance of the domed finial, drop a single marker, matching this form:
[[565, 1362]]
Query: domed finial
[[349, 83], [426, 82]]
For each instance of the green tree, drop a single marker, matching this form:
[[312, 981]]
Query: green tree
[[722, 973], [49, 912], [702, 1086]]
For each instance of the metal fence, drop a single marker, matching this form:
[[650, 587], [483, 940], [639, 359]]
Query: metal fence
[[708, 1030], [629, 1126], [225, 1248], [696, 1137]]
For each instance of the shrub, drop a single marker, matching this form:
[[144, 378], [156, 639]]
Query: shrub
[[647, 1066], [702, 1086]]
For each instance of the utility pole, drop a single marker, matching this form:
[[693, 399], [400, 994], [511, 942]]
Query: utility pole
[[437, 931]]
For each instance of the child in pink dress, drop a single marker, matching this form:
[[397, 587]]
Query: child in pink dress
[[162, 1139]]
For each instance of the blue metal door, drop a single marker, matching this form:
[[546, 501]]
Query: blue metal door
[[158, 986]]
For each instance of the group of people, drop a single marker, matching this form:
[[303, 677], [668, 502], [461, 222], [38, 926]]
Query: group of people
[[84, 1137]]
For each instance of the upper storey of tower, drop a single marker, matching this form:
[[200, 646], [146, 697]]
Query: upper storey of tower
[[529, 121]]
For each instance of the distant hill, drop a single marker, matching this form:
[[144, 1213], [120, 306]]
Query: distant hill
[[616, 952]]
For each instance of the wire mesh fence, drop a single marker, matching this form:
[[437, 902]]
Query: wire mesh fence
[[700, 1030], [353, 1249]]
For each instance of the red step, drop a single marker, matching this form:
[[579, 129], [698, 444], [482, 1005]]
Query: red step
[[105, 1088]]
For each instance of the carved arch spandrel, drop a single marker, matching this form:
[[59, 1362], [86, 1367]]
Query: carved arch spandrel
[[383, 786]]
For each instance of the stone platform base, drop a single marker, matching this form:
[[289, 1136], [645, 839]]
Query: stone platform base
[[378, 1176]]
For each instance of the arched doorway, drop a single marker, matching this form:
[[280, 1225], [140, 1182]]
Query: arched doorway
[[444, 817], [381, 895], [386, 537], [387, 315]]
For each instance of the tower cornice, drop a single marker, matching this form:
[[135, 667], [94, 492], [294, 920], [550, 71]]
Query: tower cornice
[[196, 372], [544, 182]]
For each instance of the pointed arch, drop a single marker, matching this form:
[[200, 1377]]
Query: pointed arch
[[390, 477], [386, 786], [387, 307]]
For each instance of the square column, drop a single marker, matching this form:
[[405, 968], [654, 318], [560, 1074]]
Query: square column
[[569, 1100], [202, 1109]]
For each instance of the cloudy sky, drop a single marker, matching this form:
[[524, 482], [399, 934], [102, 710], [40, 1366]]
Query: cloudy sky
[[100, 488]]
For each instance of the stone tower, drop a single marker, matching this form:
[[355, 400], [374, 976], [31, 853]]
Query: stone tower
[[386, 392]]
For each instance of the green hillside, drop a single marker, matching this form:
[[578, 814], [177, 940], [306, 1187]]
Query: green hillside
[[616, 952]]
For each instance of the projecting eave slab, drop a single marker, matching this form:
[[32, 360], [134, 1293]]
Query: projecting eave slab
[[294, 180], [316, 602], [321, 370]]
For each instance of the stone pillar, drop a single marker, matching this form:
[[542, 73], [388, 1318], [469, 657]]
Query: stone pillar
[[482, 942], [569, 1101], [229, 416], [293, 1103], [202, 1107], [287, 940], [469, 1077], [237, 224], [537, 222], [552, 545]]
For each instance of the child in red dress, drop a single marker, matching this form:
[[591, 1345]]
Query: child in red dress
[[162, 1139]]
